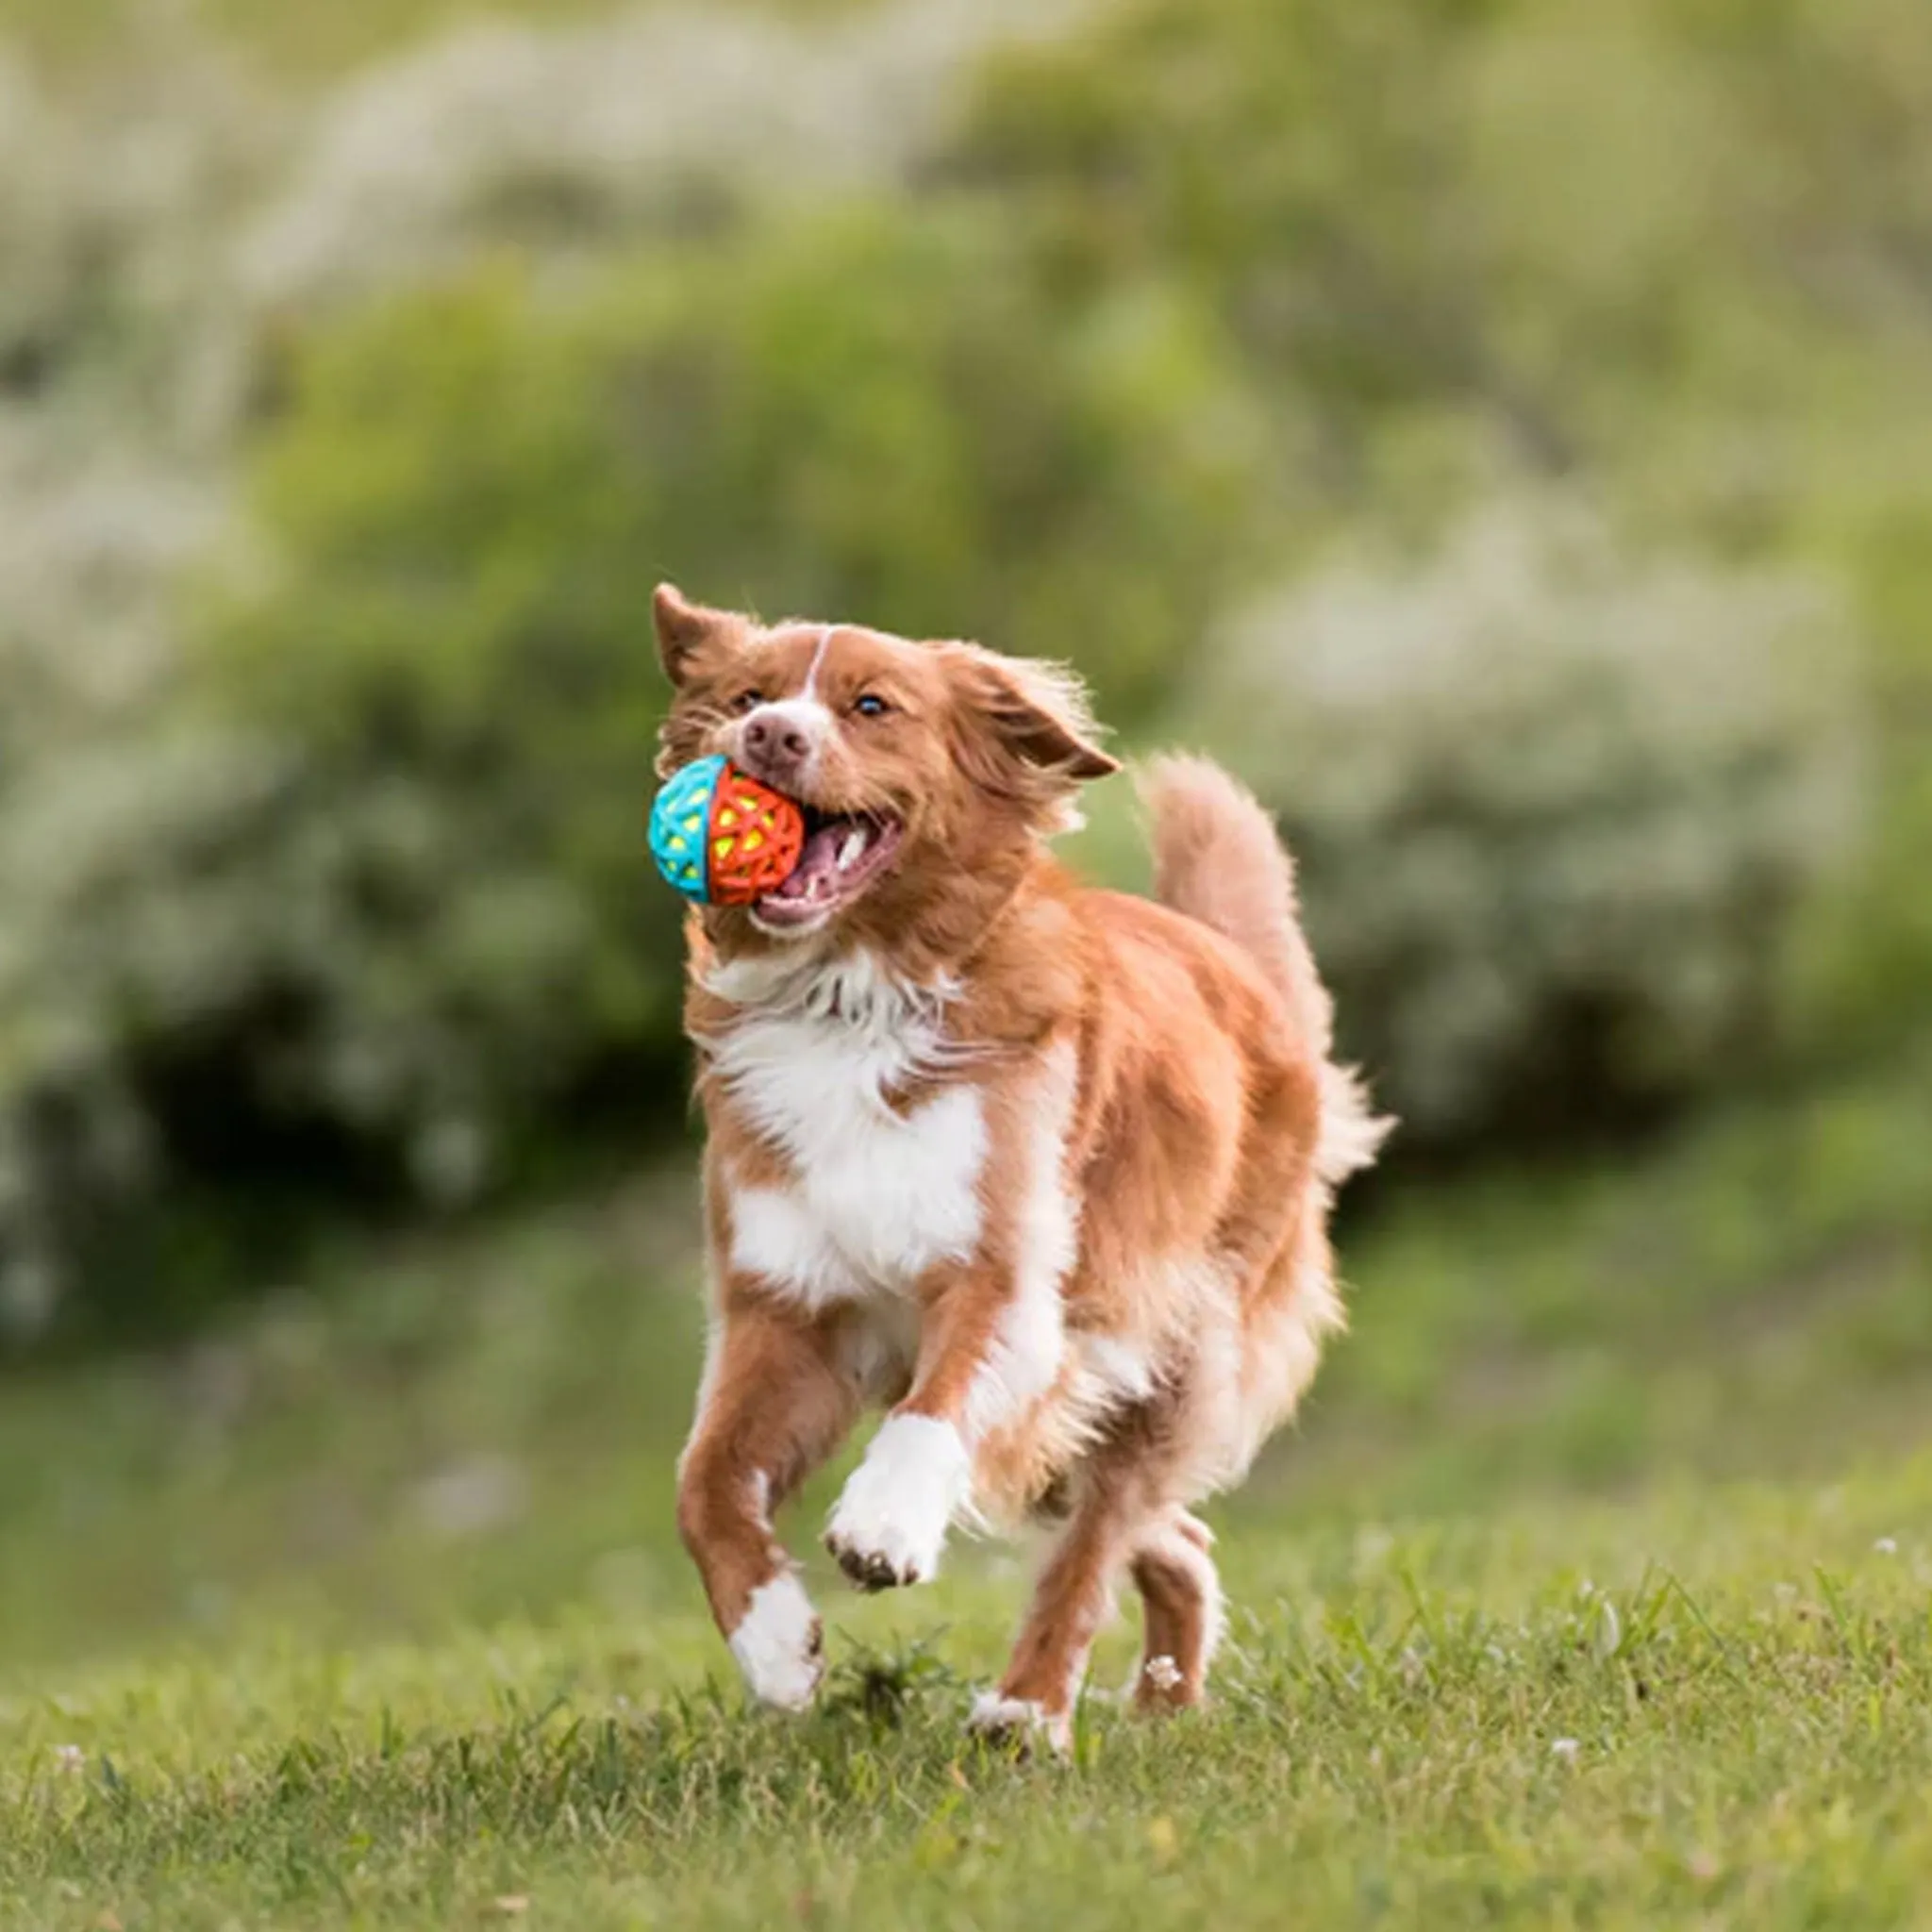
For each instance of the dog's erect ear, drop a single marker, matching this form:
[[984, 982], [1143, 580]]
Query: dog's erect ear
[[682, 629], [1039, 713]]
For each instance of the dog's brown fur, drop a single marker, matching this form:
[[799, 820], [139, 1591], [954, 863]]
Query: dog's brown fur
[[1119, 1119]]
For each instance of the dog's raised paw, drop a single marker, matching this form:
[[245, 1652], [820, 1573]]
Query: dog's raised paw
[[877, 1547], [889, 1522], [869, 1569]]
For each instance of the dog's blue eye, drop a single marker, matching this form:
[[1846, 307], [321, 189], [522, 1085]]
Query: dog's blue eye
[[871, 706]]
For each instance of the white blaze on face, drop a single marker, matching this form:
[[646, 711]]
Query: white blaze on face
[[810, 692], [807, 714]]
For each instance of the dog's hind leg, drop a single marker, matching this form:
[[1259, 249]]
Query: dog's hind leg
[[1117, 1512], [1070, 1603], [1180, 1596]]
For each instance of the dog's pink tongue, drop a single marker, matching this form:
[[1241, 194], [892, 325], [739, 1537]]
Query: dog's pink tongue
[[818, 862]]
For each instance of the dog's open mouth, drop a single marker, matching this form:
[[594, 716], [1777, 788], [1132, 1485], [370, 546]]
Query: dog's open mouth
[[844, 852]]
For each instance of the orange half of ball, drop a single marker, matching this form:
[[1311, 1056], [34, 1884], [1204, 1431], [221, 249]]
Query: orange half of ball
[[754, 841]]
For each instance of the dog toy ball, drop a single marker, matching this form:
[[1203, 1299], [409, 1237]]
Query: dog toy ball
[[723, 839]]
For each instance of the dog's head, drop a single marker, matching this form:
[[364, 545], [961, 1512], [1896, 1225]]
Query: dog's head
[[919, 765]]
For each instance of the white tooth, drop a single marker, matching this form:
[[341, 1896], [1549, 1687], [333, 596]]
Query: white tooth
[[854, 845]]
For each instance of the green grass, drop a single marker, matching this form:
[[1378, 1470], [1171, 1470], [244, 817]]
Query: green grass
[[480, 1425], [1713, 1711], [367, 1611]]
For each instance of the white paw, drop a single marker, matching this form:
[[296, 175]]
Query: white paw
[[891, 1521], [779, 1645], [1018, 1721]]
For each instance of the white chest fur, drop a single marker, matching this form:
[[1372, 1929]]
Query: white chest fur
[[877, 1196]]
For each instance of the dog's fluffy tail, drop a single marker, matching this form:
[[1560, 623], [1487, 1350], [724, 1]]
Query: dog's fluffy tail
[[1217, 859]]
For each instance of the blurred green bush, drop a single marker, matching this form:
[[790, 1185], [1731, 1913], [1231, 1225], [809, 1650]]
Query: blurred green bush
[[393, 884], [1495, 429], [1559, 806], [1661, 255]]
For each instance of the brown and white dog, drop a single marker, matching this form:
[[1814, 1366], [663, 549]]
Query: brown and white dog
[[1044, 1170]]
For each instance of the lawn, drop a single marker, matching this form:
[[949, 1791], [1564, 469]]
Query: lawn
[[1595, 1589], [1713, 1709]]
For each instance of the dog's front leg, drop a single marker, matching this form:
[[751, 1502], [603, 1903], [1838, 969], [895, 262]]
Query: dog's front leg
[[776, 1402], [991, 1338], [991, 1346]]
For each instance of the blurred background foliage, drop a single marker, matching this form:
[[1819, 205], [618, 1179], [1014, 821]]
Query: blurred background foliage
[[1498, 429]]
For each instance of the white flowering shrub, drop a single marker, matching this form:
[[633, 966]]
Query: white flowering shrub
[[1555, 803], [1036, 317], [651, 121], [225, 955], [122, 381], [167, 233], [120, 373]]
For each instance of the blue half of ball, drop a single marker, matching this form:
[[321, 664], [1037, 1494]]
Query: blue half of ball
[[680, 818]]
